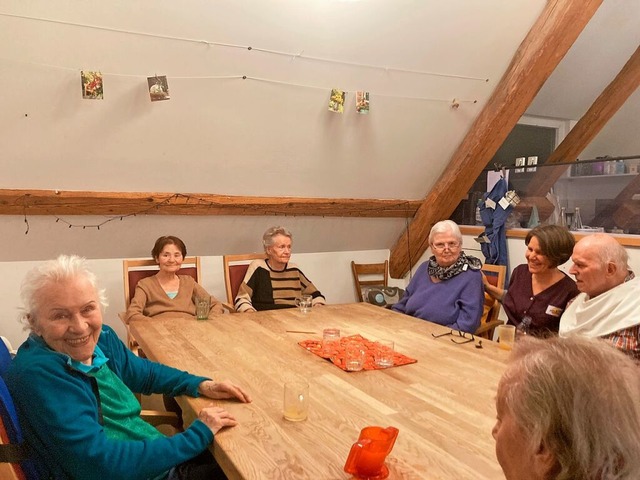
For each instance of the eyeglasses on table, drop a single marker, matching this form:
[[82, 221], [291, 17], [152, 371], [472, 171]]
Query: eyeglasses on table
[[459, 337]]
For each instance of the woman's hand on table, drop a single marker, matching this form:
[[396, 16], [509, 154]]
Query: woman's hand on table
[[216, 418], [222, 390]]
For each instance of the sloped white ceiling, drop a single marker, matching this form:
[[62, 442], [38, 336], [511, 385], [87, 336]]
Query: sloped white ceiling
[[270, 134]]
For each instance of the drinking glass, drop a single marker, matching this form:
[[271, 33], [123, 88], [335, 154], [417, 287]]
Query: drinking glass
[[354, 354], [383, 353], [506, 336], [304, 303], [203, 306], [330, 341], [296, 400]]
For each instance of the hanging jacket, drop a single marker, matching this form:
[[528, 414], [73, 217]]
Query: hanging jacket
[[494, 215]]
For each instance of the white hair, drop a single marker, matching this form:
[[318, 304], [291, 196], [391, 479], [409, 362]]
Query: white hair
[[271, 233], [445, 226], [579, 398], [62, 269]]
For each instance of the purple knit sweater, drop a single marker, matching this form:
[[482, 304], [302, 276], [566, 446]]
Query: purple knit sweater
[[455, 303]]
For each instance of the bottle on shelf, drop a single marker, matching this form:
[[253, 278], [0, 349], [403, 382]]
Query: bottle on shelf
[[562, 221], [576, 222], [610, 168], [597, 168], [575, 170], [632, 166]]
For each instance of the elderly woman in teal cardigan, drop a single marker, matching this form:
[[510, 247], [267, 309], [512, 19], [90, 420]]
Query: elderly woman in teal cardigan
[[72, 382]]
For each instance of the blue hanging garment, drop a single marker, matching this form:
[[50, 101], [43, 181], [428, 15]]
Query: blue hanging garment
[[494, 211]]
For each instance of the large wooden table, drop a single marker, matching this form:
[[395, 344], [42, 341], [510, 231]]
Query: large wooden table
[[443, 405]]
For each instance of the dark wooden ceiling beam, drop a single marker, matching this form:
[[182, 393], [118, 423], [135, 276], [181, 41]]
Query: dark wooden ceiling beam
[[545, 45], [55, 202], [591, 123]]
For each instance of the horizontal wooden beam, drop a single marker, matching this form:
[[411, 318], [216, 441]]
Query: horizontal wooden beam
[[58, 202]]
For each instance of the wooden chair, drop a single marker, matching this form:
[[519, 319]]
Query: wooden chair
[[235, 268], [135, 270], [374, 274], [496, 275], [13, 454], [6, 355]]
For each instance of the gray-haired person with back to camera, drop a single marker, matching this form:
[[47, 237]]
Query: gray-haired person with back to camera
[[568, 409]]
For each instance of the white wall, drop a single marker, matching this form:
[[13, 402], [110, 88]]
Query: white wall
[[330, 272]]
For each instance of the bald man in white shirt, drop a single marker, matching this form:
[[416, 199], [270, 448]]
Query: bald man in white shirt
[[608, 306]]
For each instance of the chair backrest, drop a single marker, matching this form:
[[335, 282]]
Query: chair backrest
[[15, 462], [135, 270], [235, 267], [496, 275], [364, 274], [5, 358]]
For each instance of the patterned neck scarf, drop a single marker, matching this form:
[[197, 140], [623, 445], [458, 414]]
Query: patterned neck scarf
[[463, 263]]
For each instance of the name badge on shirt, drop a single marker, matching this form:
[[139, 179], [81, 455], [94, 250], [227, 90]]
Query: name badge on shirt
[[554, 311]]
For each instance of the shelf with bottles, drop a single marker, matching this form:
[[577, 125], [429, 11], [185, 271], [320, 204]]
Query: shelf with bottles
[[604, 169], [581, 177]]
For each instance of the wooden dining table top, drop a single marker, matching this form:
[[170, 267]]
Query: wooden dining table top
[[443, 405]]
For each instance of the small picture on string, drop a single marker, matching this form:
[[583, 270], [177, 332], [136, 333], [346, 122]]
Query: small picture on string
[[362, 102], [532, 161], [158, 88], [92, 88], [520, 161], [336, 102]]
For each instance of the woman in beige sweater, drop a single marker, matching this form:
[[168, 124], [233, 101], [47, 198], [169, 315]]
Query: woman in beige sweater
[[167, 294]]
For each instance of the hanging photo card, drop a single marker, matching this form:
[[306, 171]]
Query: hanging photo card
[[362, 103], [532, 161], [336, 102], [91, 85], [158, 88]]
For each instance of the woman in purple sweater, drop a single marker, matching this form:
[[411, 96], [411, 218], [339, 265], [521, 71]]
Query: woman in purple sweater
[[446, 289]]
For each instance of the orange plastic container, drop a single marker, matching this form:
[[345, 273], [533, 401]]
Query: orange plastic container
[[367, 455]]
